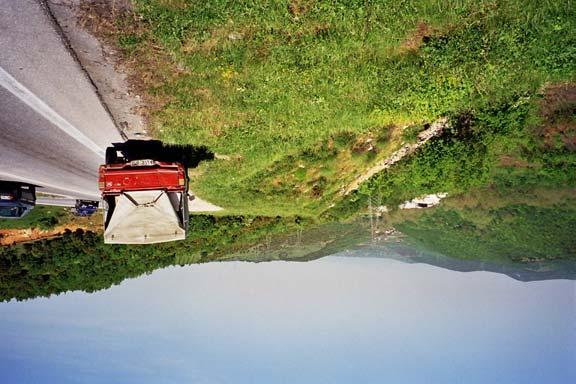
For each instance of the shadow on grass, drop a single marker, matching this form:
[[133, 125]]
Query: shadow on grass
[[189, 155]]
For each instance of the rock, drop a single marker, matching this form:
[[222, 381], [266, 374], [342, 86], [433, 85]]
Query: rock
[[424, 201]]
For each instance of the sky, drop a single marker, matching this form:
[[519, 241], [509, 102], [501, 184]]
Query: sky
[[334, 320]]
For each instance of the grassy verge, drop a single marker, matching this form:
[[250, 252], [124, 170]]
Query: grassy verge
[[41, 217], [305, 95]]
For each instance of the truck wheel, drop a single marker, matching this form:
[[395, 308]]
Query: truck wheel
[[111, 155]]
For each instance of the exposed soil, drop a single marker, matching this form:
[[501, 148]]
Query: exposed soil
[[364, 144], [558, 109], [14, 236], [299, 7], [69, 222], [420, 35]]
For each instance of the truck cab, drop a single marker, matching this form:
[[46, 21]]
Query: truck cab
[[16, 199], [145, 200]]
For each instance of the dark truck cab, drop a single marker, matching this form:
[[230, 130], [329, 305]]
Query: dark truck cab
[[16, 199], [145, 200]]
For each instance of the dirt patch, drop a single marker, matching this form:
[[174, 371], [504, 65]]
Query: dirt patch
[[14, 236], [68, 222], [298, 7], [558, 110], [206, 47], [318, 187], [364, 144], [420, 35]]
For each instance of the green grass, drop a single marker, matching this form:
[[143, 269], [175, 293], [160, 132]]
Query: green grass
[[515, 233], [42, 217], [497, 147], [294, 93], [511, 225]]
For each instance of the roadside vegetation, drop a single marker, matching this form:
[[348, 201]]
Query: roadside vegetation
[[303, 96], [41, 217], [80, 260], [515, 233], [514, 226]]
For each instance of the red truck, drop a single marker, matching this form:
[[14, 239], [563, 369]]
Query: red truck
[[145, 200]]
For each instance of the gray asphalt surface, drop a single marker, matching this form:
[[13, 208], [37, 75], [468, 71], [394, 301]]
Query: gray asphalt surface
[[53, 127], [57, 202]]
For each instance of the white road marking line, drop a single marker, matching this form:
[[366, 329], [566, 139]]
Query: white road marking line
[[47, 185], [30, 99]]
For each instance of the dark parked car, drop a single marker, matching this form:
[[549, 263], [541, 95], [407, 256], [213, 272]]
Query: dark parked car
[[16, 199], [85, 207]]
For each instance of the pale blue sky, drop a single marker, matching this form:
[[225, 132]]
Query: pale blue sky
[[334, 320]]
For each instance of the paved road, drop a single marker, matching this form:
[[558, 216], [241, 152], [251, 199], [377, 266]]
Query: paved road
[[57, 202], [53, 127]]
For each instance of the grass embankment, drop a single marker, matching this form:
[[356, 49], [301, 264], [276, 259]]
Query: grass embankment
[[45, 222], [305, 95], [41, 217]]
